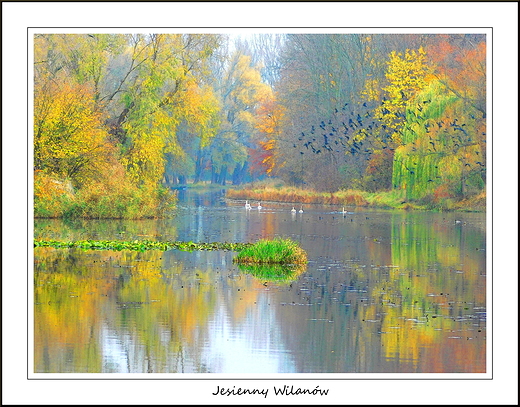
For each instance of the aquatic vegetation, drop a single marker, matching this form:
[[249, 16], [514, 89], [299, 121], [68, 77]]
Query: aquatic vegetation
[[140, 245], [277, 251], [272, 260]]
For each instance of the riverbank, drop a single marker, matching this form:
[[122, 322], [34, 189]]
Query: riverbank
[[109, 199], [354, 198]]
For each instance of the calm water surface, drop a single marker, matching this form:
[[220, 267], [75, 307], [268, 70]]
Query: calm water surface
[[383, 292]]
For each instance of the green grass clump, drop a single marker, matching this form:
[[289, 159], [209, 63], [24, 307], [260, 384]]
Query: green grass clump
[[277, 251]]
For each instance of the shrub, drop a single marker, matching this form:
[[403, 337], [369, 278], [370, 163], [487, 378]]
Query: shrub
[[112, 198], [52, 198]]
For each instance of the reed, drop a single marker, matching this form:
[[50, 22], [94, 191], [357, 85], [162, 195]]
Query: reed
[[277, 251], [299, 196], [394, 199]]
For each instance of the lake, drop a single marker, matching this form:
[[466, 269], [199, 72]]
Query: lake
[[384, 291]]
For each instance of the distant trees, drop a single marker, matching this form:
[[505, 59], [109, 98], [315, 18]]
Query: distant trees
[[241, 90], [238, 91], [329, 111], [381, 112]]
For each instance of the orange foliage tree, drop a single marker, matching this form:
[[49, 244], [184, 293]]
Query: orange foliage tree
[[264, 156]]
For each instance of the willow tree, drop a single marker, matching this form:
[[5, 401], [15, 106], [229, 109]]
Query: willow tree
[[443, 139], [440, 156]]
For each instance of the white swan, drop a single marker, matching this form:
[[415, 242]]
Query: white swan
[[248, 205], [343, 211], [301, 209], [260, 205], [293, 210]]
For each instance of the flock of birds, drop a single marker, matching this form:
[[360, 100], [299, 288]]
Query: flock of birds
[[336, 135], [359, 132], [293, 210]]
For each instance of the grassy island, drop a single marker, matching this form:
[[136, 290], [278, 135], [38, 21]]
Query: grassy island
[[277, 251]]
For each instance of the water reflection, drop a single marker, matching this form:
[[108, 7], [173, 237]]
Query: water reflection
[[273, 272], [383, 291]]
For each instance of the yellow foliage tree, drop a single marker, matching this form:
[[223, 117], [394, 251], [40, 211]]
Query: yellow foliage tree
[[407, 74], [69, 136], [167, 93]]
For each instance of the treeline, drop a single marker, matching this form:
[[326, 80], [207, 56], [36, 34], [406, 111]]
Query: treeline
[[119, 119], [400, 113]]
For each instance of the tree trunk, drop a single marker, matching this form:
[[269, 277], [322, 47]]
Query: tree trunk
[[199, 166], [236, 175], [169, 179], [214, 174], [223, 175], [240, 173], [243, 172]]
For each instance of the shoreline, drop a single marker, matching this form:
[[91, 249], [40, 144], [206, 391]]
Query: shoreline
[[352, 199]]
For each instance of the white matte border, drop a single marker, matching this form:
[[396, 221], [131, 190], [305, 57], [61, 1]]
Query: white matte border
[[501, 16]]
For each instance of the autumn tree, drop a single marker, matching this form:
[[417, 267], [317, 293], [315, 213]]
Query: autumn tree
[[69, 135], [443, 147], [267, 140], [138, 90], [407, 74], [241, 90]]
